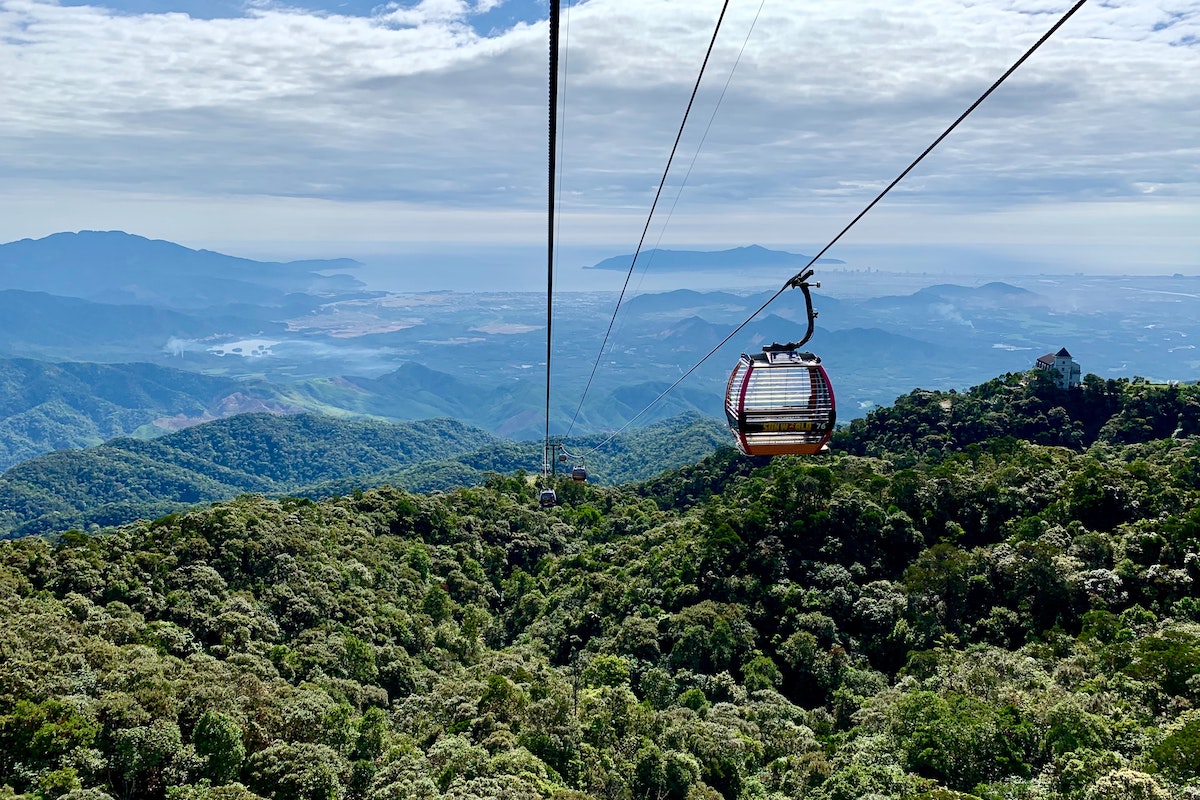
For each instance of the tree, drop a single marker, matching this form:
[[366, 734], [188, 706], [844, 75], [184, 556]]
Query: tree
[[1127, 784], [218, 740], [299, 771]]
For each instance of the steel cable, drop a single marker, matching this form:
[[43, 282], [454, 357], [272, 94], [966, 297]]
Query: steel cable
[[650, 216], [554, 23], [1046, 36]]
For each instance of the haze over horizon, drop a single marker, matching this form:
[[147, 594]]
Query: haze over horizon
[[414, 133], [490, 269]]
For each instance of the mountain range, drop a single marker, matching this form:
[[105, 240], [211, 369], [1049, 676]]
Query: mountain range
[[751, 257], [119, 268], [309, 455], [109, 334]]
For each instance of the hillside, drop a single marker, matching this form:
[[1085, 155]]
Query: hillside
[[124, 479], [1025, 405], [304, 454], [1008, 620], [47, 406], [633, 455]]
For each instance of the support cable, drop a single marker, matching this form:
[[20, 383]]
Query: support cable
[[565, 37], [650, 216], [553, 152], [793, 280], [703, 138], [692, 165]]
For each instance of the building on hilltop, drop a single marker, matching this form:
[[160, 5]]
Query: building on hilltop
[[1062, 363]]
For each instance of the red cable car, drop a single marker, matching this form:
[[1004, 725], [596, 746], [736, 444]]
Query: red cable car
[[780, 402]]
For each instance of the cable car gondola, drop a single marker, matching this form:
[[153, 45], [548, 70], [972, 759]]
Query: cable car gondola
[[780, 401], [547, 498], [579, 472]]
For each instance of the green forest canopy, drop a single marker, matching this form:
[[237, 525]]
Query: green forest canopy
[[947, 609], [304, 455]]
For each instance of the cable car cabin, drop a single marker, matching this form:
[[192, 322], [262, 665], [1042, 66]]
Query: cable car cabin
[[547, 498], [780, 402], [579, 474]]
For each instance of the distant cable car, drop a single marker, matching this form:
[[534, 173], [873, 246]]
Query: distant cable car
[[780, 401], [547, 498], [579, 472]]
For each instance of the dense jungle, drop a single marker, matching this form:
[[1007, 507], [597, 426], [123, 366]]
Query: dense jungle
[[984, 594]]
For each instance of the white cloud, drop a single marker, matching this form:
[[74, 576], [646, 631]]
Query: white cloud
[[411, 109]]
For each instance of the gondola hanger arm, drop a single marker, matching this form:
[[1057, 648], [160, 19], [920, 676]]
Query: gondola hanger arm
[[802, 282]]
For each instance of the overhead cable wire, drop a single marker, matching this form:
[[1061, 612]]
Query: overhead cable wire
[[650, 216], [1045, 37], [562, 125], [565, 39], [696, 155], [553, 135]]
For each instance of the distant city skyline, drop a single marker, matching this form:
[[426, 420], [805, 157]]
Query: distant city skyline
[[321, 129]]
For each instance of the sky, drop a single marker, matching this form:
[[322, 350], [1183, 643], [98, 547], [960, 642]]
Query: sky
[[409, 132]]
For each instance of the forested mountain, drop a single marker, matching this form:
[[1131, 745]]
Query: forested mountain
[[124, 479], [632, 455], [308, 455], [1025, 405], [991, 618], [45, 406]]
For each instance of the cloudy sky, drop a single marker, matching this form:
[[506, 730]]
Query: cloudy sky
[[340, 127]]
